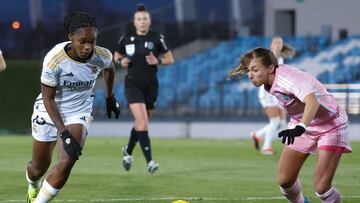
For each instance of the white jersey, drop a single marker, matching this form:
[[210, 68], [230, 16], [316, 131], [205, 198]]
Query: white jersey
[[265, 98], [74, 81]]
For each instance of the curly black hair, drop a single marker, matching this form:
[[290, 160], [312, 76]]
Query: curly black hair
[[77, 20], [140, 7]]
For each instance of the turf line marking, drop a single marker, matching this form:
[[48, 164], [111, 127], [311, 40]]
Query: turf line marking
[[175, 198], [189, 199]]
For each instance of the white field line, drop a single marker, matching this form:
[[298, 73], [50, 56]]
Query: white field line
[[176, 198]]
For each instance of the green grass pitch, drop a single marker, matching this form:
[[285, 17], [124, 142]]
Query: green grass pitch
[[199, 170]]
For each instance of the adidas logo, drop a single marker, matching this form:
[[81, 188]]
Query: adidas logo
[[67, 75]]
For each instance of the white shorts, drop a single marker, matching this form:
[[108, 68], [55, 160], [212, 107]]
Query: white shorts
[[266, 99], [44, 130]]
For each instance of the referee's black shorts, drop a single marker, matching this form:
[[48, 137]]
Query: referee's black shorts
[[144, 90]]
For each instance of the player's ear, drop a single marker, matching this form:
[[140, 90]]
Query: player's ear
[[70, 36], [272, 68]]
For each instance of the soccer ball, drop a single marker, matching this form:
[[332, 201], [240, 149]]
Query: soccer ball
[[180, 201]]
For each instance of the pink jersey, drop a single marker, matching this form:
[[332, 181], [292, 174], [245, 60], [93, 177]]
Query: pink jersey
[[292, 85]]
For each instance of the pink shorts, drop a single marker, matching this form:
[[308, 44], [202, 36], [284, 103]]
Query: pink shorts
[[335, 140]]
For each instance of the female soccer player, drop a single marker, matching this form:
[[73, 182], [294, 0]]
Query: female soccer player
[[2, 62], [139, 52], [275, 114], [62, 111], [317, 123]]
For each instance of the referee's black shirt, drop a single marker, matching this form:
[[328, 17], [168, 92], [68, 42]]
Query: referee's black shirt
[[137, 47]]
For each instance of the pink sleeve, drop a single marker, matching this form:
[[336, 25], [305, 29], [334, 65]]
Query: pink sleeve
[[303, 84], [302, 90]]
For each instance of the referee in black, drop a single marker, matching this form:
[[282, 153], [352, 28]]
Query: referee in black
[[139, 51]]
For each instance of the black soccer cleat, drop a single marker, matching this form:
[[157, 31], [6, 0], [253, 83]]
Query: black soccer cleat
[[127, 159], [256, 140]]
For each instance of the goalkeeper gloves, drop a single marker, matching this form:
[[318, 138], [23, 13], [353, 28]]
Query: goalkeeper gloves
[[290, 134], [71, 146], [112, 105]]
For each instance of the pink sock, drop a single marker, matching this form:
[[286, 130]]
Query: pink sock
[[331, 196], [293, 193]]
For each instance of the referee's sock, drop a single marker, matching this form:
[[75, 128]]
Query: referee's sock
[[144, 140], [132, 141]]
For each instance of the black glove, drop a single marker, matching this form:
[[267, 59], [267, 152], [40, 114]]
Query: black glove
[[290, 134], [71, 146], [112, 105]]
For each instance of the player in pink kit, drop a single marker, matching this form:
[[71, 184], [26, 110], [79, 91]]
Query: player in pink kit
[[275, 114], [317, 123]]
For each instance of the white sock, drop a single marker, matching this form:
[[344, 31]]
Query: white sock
[[293, 194], [330, 196], [283, 125], [260, 133], [47, 193], [32, 184], [271, 131]]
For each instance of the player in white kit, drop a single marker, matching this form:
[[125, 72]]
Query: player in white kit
[[317, 125], [275, 114], [62, 111], [2, 62]]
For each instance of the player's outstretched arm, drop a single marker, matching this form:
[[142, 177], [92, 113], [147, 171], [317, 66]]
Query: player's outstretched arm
[[2, 62], [48, 94], [111, 104], [311, 107], [71, 146]]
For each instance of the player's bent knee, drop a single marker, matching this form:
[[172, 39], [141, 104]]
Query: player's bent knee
[[65, 165], [284, 181], [141, 126]]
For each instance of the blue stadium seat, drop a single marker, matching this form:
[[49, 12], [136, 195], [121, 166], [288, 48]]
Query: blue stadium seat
[[200, 80]]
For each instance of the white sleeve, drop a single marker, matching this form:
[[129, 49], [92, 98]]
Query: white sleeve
[[105, 57], [108, 59], [49, 76]]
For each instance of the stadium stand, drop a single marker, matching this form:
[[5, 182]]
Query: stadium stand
[[198, 84]]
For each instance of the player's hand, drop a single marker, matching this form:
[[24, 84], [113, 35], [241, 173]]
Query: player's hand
[[112, 106], [290, 134], [125, 62], [152, 60], [71, 146]]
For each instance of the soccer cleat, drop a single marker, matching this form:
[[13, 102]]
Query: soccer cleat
[[267, 151], [306, 200], [256, 140], [152, 166], [31, 195], [127, 159]]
